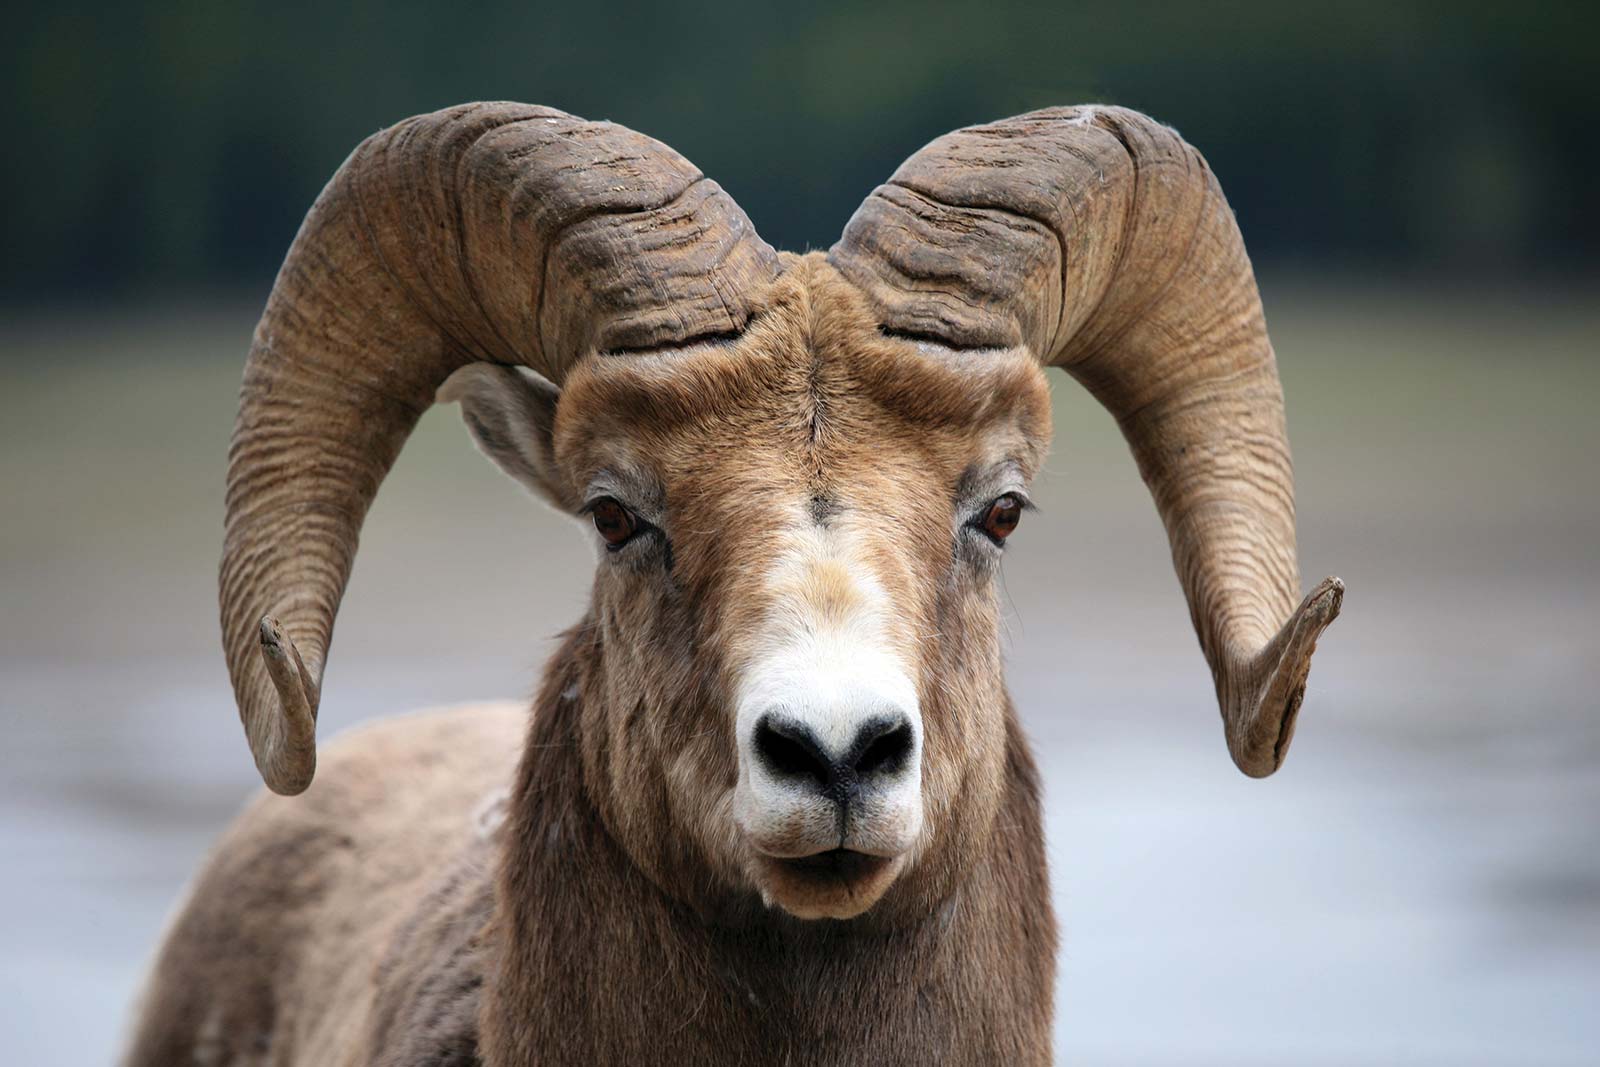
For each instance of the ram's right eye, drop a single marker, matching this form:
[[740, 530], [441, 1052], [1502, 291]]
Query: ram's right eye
[[616, 524]]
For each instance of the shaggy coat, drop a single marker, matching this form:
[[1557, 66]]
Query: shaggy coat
[[773, 804], [458, 910]]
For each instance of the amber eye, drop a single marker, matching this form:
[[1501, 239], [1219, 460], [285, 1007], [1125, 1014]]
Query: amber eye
[[1002, 517], [615, 522]]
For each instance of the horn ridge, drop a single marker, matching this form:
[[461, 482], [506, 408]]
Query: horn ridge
[[486, 232], [1141, 289]]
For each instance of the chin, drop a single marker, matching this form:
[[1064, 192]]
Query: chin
[[837, 884]]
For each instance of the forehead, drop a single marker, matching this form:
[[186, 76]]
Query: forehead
[[812, 385]]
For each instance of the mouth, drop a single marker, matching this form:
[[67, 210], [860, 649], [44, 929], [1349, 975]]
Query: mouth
[[839, 864], [839, 883]]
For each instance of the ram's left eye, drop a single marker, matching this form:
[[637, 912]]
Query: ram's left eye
[[1002, 517], [616, 523]]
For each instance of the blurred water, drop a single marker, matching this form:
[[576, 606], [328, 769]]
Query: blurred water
[[1420, 885]]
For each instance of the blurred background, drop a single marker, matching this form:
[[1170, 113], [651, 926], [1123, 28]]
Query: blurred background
[[1419, 885]]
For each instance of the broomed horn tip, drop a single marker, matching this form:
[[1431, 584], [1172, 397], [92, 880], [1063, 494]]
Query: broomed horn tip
[[285, 746]]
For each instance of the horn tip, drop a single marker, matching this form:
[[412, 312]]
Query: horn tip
[[285, 744], [272, 637], [1259, 737], [1325, 601]]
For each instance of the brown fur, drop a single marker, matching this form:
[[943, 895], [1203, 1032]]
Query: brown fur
[[597, 964], [815, 441], [365, 923], [279, 953]]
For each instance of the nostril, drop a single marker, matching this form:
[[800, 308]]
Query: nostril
[[789, 749], [883, 746]]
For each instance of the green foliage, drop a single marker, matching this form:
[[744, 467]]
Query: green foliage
[[179, 143]]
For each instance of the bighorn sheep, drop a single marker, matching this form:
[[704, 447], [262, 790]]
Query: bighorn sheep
[[772, 803]]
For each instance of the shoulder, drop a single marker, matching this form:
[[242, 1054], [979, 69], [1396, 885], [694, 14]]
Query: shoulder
[[429, 981]]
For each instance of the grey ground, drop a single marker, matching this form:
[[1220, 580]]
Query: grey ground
[[1419, 885]]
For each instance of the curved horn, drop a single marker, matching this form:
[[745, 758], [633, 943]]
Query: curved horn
[[488, 232], [1101, 240]]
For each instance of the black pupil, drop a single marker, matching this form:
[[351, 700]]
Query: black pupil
[[613, 521]]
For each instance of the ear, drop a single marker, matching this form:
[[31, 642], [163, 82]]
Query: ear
[[511, 414]]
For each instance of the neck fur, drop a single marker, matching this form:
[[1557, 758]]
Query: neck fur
[[592, 962]]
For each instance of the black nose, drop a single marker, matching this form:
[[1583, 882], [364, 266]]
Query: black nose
[[881, 749]]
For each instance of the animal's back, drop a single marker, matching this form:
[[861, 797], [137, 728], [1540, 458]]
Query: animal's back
[[341, 897]]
